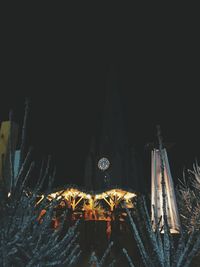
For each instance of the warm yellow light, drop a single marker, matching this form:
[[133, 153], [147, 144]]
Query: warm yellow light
[[53, 195], [72, 192], [40, 200], [95, 206], [129, 195]]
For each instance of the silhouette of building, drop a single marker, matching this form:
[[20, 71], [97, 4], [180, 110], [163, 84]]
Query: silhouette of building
[[111, 161]]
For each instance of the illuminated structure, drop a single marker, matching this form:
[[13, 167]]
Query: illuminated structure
[[112, 177], [5, 135], [156, 192], [93, 206]]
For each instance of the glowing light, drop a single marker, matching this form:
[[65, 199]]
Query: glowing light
[[103, 164], [156, 193], [40, 200], [93, 203]]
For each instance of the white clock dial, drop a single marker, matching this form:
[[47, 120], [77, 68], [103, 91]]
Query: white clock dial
[[103, 164]]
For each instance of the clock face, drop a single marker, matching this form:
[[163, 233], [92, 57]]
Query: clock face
[[103, 164]]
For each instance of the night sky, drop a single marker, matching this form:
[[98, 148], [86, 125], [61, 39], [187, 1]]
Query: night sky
[[61, 62], [67, 101]]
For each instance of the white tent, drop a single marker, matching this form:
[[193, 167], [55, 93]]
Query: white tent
[[156, 192]]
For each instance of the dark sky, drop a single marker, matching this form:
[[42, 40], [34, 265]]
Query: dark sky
[[67, 101], [61, 65]]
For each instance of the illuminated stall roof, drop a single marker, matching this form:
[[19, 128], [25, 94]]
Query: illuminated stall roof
[[72, 192], [82, 200]]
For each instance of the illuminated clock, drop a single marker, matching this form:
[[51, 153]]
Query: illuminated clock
[[103, 164]]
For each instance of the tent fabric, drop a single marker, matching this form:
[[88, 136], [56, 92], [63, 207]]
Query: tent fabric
[[156, 192]]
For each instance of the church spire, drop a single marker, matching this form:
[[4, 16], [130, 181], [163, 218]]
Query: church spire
[[112, 131], [112, 163]]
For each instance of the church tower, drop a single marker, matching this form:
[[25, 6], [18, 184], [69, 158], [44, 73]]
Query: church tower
[[111, 162]]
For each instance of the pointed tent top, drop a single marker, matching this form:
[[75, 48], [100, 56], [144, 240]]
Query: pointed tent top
[[153, 145], [158, 142]]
